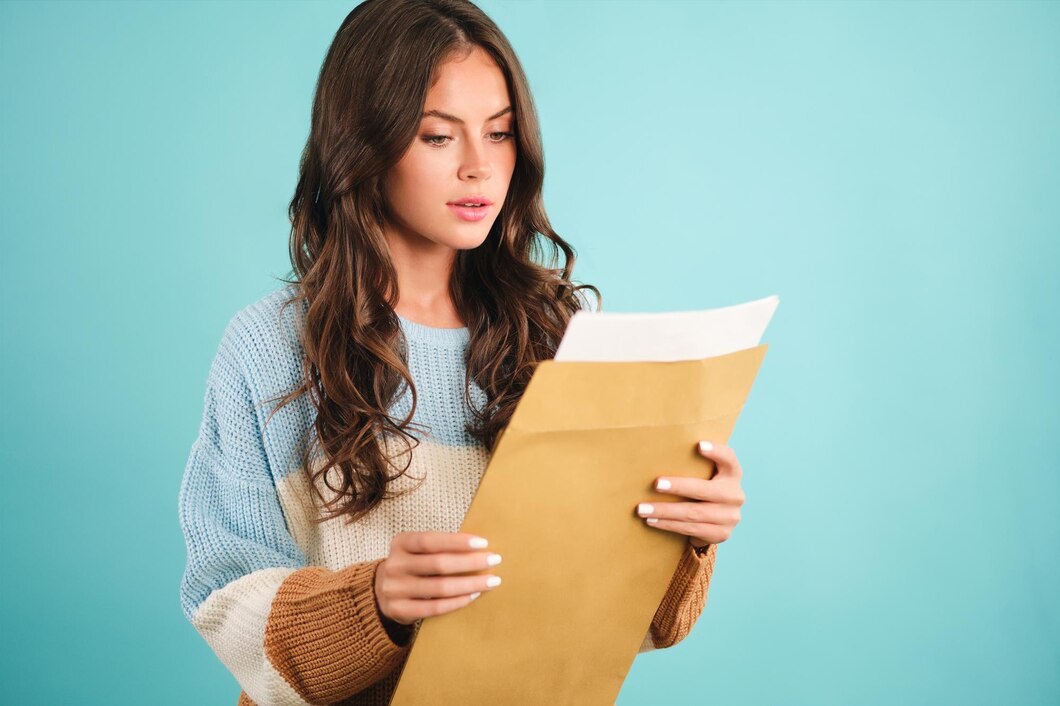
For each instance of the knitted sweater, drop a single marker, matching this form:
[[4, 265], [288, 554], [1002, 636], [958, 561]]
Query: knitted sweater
[[288, 605]]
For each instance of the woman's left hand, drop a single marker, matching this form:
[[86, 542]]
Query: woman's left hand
[[712, 508]]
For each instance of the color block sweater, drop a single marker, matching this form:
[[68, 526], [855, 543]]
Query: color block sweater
[[287, 605]]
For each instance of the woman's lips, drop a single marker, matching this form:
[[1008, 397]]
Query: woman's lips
[[469, 213]]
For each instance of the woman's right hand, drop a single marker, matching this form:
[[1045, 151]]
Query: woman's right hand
[[414, 581]]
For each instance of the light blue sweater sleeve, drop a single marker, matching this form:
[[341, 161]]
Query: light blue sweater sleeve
[[324, 640], [229, 509]]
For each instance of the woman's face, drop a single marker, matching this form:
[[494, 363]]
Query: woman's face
[[464, 149]]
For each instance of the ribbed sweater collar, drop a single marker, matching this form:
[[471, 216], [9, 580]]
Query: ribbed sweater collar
[[448, 337]]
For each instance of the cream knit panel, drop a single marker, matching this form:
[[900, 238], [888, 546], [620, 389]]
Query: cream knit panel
[[447, 476], [232, 621]]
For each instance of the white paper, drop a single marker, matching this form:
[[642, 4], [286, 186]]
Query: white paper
[[666, 336]]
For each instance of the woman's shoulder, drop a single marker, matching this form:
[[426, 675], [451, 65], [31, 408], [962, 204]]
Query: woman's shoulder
[[265, 336]]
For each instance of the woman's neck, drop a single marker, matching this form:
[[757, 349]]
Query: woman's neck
[[423, 272]]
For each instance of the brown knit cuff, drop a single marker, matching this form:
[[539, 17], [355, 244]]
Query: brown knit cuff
[[325, 634], [685, 597]]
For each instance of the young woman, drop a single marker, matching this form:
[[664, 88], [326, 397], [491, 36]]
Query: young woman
[[350, 415]]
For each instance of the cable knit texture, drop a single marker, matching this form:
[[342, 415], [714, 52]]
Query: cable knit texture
[[286, 604]]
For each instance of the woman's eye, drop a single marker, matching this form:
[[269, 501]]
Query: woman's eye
[[439, 140]]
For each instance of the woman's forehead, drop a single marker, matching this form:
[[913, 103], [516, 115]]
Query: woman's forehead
[[472, 89]]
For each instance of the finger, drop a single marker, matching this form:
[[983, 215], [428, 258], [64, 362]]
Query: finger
[[433, 542], [700, 489], [444, 563], [444, 586], [713, 513], [723, 457], [714, 534], [412, 609]]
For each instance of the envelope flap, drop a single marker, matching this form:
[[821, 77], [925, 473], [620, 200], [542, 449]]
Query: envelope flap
[[568, 395]]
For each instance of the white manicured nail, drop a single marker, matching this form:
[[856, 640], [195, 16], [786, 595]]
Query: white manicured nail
[[493, 581], [662, 484], [479, 543], [705, 446], [645, 509], [476, 594], [493, 559]]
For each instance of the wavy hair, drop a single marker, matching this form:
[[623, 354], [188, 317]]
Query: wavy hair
[[366, 111]]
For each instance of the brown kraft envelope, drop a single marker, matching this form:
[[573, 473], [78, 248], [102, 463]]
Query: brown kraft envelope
[[582, 573]]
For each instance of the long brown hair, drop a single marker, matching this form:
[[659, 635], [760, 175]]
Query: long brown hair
[[369, 98]]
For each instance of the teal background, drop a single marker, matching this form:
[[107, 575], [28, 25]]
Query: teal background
[[890, 170]]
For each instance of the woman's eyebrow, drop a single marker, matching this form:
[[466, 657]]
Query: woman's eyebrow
[[454, 119]]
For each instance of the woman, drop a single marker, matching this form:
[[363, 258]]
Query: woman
[[322, 530]]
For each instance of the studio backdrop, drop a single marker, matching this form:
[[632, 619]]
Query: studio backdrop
[[890, 170]]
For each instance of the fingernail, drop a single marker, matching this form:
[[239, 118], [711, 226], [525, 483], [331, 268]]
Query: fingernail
[[493, 581], [652, 520], [476, 594], [645, 509], [705, 446], [493, 559], [662, 484], [479, 543]]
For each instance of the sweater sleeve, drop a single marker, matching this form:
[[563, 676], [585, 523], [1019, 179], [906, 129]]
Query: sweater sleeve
[[684, 600], [288, 632]]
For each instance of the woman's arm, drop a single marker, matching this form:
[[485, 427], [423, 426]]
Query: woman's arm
[[288, 632], [684, 601]]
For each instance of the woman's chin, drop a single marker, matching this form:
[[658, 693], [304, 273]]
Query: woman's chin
[[467, 241]]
